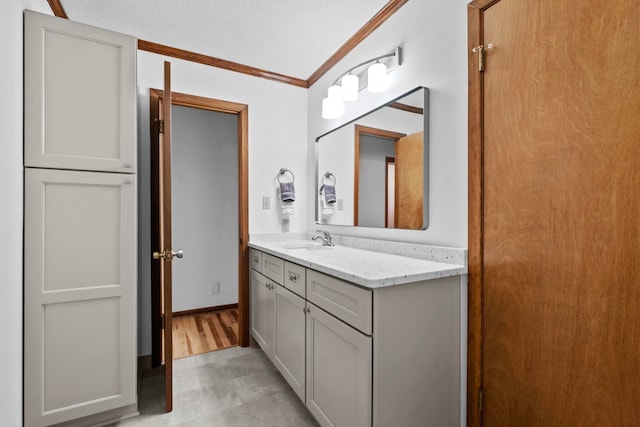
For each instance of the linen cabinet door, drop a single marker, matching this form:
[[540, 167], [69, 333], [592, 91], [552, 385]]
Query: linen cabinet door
[[80, 285], [262, 303], [289, 339], [80, 96], [339, 370]]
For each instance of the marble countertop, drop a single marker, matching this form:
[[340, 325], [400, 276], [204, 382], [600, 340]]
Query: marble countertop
[[367, 268]]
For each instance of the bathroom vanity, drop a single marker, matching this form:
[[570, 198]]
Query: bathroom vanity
[[364, 338]]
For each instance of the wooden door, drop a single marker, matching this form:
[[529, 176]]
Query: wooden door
[[161, 222], [410, 181], [554, 213]]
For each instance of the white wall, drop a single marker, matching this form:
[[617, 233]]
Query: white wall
[[277, 139], [433, 34], [204, 192], [11, 212]]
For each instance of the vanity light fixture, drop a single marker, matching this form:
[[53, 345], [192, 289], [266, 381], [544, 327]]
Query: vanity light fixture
[[350, 87], [333, 104], [347, 86], [377, 74]]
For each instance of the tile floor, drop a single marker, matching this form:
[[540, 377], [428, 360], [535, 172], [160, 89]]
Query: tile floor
[[236, 387]]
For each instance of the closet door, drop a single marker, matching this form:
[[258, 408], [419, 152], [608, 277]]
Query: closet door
[[80, 273], [554, 213], [80, 96]]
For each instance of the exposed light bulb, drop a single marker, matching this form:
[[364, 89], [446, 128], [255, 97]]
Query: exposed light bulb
[[377, 76], [350, 85]]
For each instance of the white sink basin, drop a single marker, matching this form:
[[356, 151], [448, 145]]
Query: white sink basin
[[307, 247]]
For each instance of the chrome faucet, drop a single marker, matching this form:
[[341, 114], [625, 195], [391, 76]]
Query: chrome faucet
[[325, 236]]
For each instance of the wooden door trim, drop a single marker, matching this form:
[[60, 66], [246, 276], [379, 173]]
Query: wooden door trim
[[241, 110], [476, 214], [387, 162], [369, 131]]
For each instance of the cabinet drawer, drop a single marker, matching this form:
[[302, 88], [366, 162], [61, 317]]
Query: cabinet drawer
[[273, 268], [345, 301], [295, 278], [256, 259]]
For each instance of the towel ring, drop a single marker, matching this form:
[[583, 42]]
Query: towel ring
[[284, 171], [330, 177]]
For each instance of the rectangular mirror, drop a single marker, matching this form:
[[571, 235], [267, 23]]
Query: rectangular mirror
[[373, 171]]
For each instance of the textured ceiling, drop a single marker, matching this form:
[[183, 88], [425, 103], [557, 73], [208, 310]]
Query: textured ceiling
[[291, 37]]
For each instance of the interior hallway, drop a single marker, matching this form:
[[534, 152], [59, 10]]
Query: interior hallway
[[236, 387], [201, 333]]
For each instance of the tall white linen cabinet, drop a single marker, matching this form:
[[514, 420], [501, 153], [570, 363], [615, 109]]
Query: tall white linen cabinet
[[80, 223]]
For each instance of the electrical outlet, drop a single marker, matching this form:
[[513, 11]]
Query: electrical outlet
[[266, 202], [215, 288], [340, 204], [285, 225]]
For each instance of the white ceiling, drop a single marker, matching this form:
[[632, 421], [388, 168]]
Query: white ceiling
[[291, 37]]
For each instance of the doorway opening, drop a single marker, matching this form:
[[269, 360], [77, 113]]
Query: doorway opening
[[223, 325], [375, 177]]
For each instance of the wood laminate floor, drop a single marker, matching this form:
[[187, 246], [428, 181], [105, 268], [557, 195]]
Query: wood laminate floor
[[205, 332]]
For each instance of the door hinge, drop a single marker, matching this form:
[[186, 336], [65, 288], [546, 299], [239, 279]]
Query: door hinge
[[161, 126], [480, 50], [480, 400], [162, 321]]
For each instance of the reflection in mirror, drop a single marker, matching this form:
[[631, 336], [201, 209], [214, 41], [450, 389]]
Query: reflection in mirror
[[379, 162]]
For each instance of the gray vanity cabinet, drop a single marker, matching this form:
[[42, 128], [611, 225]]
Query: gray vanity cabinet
[[339, 351], [339, 363], [289, 339], [262, 311], [278, 320], [374, 357]]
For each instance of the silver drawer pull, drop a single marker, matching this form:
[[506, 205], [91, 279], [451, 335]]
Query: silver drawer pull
[[293, 277]]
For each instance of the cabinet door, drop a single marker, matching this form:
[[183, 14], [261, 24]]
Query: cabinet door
[[262, 311], [80, 96], [289, 339], [339, 366], [80, 288]]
